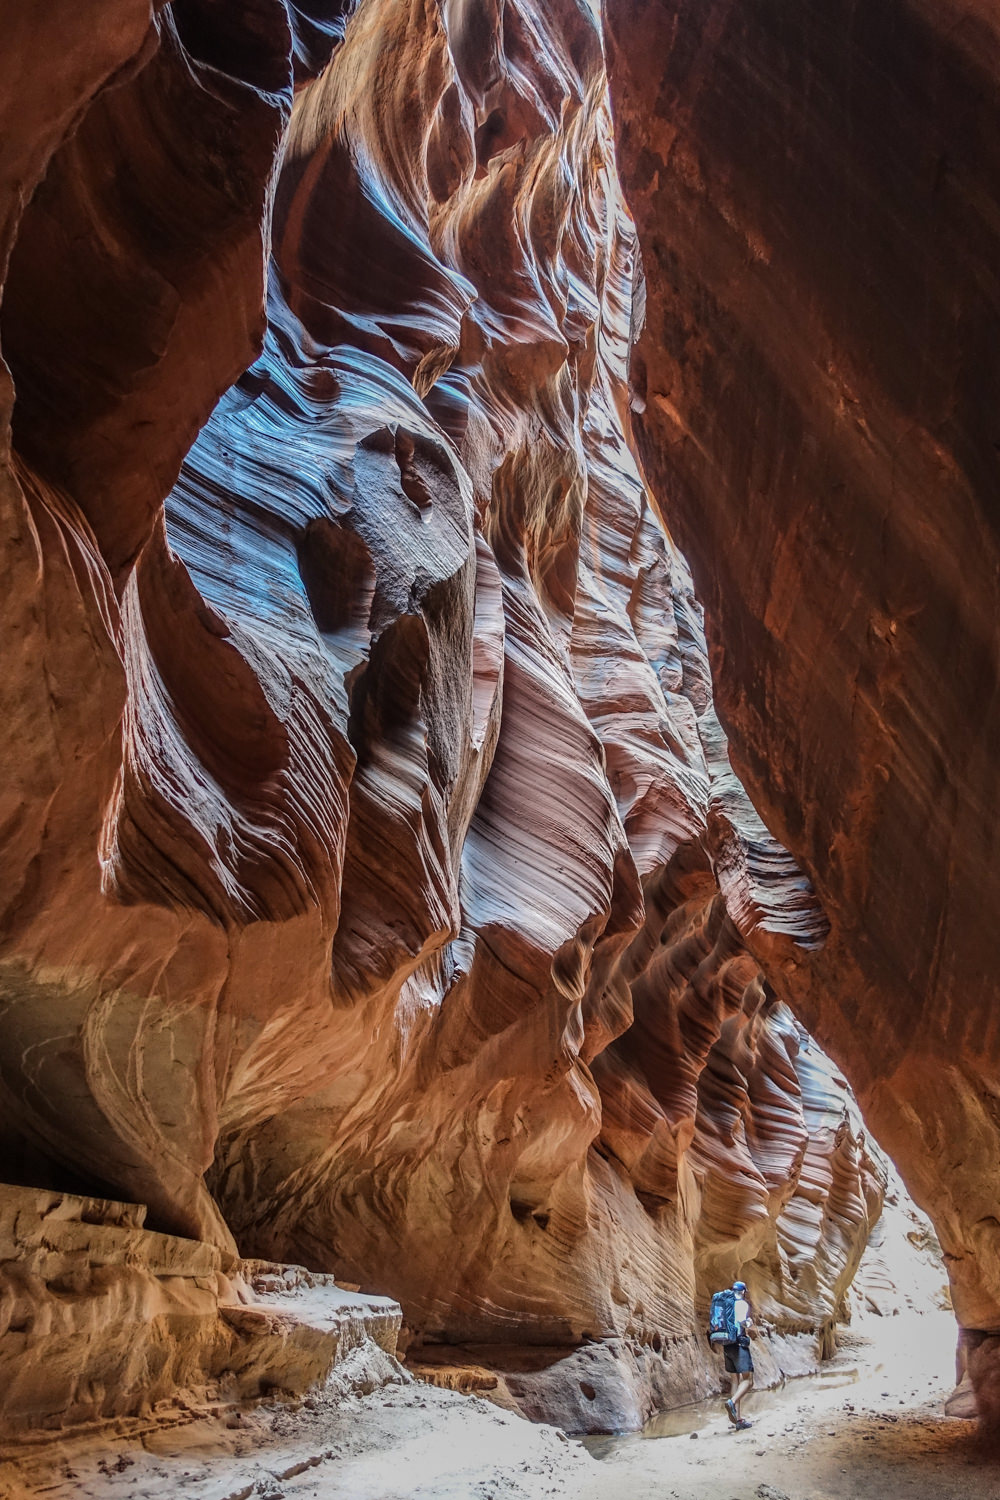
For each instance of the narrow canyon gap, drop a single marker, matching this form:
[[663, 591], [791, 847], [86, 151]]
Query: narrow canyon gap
[[379, 893]]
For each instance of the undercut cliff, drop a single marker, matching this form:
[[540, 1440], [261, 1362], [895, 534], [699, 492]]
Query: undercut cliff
[[814, 398], [380, 895]]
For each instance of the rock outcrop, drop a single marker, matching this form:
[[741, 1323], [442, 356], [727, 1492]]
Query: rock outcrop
[[379, 893], [102, 1318], [814, 397]]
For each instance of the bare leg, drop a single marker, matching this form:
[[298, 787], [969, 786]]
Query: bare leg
[[744, 1385]]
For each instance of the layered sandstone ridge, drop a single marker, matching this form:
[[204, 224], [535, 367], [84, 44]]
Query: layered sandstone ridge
[[379, 893], [101, 1318], [815, 396]]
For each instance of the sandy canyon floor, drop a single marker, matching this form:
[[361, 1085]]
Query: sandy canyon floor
[[871, 1425]]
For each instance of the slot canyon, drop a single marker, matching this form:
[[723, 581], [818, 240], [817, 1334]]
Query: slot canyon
[[500, 701]]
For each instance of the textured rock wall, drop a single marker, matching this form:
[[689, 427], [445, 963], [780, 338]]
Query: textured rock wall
[[815, 399], [102, 1318], [380, 895]]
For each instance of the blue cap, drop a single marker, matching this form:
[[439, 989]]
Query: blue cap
[[739, 1286]]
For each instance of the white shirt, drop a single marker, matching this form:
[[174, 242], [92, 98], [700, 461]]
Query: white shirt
[[741, 1311]]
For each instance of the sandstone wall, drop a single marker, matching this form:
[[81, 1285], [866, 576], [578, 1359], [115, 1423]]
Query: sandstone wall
[[101, 1318], [380, 895], [815, 398]]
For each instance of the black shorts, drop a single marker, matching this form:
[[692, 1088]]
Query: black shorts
[[738, 1361]]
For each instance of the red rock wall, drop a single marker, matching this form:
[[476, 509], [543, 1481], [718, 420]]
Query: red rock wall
[[815, 397], [379, 891]]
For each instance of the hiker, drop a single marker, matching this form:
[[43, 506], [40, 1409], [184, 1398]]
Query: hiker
[[732, 1328], [737, 1356]]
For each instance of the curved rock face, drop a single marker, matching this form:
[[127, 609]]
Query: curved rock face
[[139, 172], [380, 895], [815, 395]]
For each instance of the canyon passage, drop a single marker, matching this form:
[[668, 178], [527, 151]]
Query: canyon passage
[[500, 572]]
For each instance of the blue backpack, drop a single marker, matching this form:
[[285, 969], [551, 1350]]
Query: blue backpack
[[722, 1325]]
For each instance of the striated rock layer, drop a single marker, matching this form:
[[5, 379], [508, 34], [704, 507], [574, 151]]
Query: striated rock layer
[[815, 396], [102, 1318], [379, 893]]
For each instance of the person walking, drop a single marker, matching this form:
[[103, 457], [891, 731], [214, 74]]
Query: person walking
[[737, 1357]]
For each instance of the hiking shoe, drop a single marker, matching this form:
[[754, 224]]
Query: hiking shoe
[[742, 1425], [731, 1412]]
